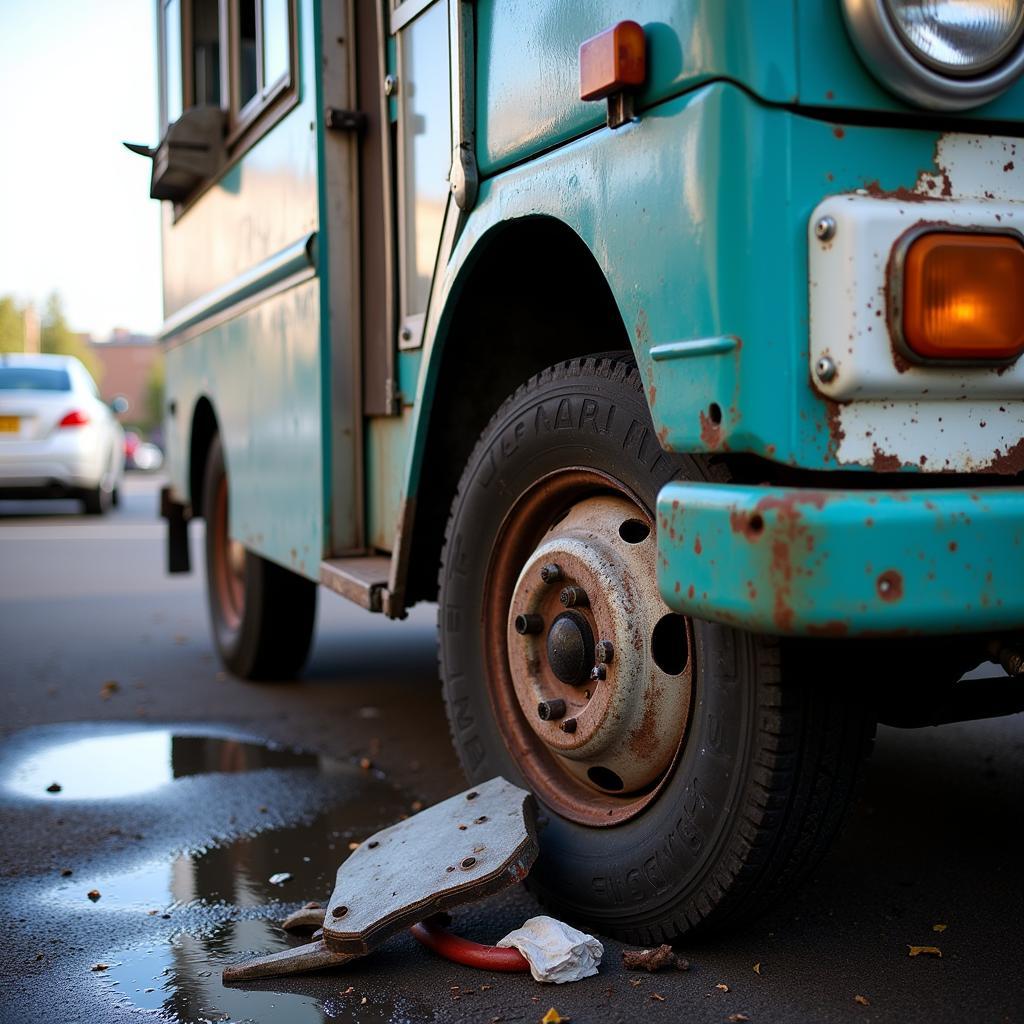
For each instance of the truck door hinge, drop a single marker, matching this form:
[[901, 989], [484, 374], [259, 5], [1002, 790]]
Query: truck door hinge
[[339, 120]]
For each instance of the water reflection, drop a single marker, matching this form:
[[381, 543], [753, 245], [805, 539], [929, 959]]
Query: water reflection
[[130, 763]]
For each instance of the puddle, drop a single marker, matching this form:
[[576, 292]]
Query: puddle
[[180, 982], [123, 764]]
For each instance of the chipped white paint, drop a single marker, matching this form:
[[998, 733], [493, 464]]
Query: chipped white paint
[[950, 418], [948, 435]]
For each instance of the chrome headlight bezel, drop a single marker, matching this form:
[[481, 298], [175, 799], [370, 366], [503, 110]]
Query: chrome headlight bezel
[[881, 46]]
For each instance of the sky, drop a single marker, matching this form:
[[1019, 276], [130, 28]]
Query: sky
[[76, 79]]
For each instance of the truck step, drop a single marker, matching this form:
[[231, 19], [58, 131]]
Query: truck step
[[362, 580]]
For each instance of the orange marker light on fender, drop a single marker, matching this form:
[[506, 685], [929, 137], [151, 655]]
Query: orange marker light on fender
[[612, 61], [963, 297]]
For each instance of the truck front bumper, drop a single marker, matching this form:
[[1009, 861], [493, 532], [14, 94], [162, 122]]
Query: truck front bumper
[[806, 562]]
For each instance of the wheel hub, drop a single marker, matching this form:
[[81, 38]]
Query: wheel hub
[[581, 650]]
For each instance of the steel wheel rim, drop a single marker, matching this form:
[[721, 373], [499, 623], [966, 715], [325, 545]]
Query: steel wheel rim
[[228, 562], [535, 514]]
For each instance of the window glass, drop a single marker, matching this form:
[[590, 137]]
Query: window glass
[[248, 83], [33, 378], [275, 41], [172, 58], [426, 136], [206, 52]]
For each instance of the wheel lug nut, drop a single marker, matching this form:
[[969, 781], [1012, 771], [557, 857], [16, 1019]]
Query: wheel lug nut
[[569, 725], [598, 672], [549, 710], [528, 624], [550, 573], [604, 651], [574, 597]]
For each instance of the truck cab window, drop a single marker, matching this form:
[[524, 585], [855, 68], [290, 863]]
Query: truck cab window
[[205, 53], [173, 99], [248, 70]]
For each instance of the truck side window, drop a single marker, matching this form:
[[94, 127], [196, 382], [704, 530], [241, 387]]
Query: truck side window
[[205, 77], [173, 97], [425, 125], [263, 40]]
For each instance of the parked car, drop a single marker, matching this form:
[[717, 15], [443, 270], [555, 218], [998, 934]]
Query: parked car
[[58, 438]]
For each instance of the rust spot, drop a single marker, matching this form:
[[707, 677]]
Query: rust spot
[[1008, 166], [697, 547], [906, 195], [838, 132], [751, 526], [834, 627], [952, 545], [1010, 462], [710, 431], [889, 585], [830, 95], [652, 394], [691, 592], [883, 462], [677, 586], [642, 331], [835, 430]]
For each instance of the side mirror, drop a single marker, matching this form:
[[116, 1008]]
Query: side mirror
[[119, 404]]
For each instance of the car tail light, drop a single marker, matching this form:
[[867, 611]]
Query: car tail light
[[962, 297], [75, 418]]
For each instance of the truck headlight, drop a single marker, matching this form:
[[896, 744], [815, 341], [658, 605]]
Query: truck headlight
[[942, 54]]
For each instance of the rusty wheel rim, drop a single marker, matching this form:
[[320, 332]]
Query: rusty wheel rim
[[228, 562], [630, 716]]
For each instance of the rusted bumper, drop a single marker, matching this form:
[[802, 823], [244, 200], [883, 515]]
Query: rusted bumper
[[843, 563]]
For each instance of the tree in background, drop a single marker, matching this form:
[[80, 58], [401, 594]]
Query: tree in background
[[57, 337], [12, 326]]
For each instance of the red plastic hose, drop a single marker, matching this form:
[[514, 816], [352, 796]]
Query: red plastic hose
[[466, 952]]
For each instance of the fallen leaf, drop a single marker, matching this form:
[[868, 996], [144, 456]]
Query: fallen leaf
[[757, 967], [365, 763], [66, 872], [636, 982], [736, 1018], [280, 878], [109, 688], [362, 1002], [93, 894], [925, 951], [353, 846], [722, 987], [660, 998], [99, 967], [553, 1017], [939, 927], [416, 806], [54, 787], [863, 1000], [653, 959], [349, 990]]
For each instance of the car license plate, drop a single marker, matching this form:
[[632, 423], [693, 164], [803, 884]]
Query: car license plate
[[9, 424]]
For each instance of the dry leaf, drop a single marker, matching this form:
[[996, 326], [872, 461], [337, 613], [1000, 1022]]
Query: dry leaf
[[925, 951], [553, 1017], [365, 763], [93, 894], [736, 1018], [863, 1000], [54, 787], [109, 688], [353, 846], [660, 998], [757, 967], [722, 987], [939, 927], [99, 967], [349, 990], [66, 872], [653, 959]]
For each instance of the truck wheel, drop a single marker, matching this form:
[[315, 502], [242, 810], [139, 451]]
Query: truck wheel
[[688, 773], [261, 614]]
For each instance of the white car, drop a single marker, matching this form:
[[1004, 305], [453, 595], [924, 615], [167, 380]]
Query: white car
[[58, 438]]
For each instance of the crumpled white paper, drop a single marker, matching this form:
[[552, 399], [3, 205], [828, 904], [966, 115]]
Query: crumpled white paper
[[555, 951]]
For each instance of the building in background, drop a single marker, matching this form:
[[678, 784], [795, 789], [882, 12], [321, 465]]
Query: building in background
[[130, 366]]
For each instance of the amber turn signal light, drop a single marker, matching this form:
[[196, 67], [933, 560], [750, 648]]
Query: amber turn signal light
[[612, 61], [963, 297]]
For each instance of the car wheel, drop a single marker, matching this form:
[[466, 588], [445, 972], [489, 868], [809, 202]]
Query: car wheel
[[261, 614], [98, 500], [688, 773]]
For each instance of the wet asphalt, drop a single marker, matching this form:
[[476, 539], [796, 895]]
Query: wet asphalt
[[183, 791]]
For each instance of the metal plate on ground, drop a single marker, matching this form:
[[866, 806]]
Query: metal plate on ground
[[464, 849]]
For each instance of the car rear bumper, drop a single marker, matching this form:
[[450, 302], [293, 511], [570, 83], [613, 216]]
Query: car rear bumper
[[804, 562], [46, 465]]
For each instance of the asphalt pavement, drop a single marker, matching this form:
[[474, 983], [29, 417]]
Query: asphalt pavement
[[182, 792]]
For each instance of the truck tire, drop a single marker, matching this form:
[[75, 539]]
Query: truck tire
[[705, 770], [261, 614]]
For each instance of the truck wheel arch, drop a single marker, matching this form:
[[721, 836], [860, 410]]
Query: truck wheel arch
[[202, 431], [530, 294]]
